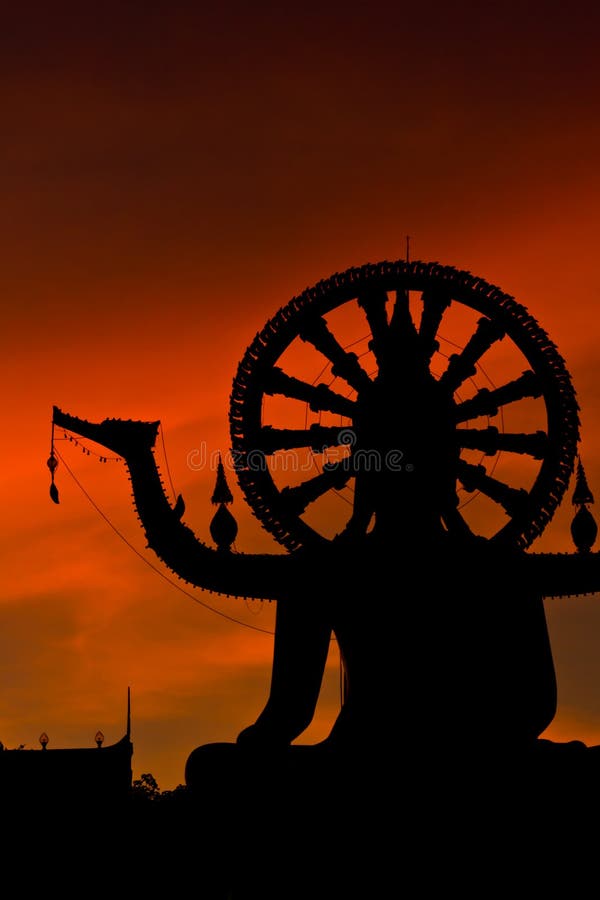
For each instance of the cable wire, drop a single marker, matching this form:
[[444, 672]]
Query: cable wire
[[154, 568]]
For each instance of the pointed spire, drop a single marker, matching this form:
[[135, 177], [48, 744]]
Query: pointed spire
[[582, 493], [584, 529], [221, 493]]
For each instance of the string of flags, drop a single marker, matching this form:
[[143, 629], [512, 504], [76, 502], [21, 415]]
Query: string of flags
[[52, 461]]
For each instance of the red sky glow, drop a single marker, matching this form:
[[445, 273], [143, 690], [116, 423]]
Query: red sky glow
[[170, 178]]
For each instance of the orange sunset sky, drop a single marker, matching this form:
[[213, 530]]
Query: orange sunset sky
[[172, 174]]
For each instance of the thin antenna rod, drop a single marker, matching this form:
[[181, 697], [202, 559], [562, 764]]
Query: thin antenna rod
[[408, 248], [128, 713]]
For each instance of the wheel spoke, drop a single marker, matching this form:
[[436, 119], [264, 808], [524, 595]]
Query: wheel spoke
[[487, 403], [317, 437], [374, 304], [297, 498], [435, 303], [491, 441], [455, 522], [344, 363], [319, 397], [475, 478], [463, 365]]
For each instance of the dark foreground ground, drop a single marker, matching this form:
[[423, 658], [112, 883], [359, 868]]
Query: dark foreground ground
[[415, 824]]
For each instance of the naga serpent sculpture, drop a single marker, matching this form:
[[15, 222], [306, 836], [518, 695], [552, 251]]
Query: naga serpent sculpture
[[458, 647]]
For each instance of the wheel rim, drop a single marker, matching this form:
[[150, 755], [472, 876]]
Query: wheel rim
[[255, 443]]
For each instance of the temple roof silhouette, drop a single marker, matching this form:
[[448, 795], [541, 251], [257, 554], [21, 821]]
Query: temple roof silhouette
[[98, 777]]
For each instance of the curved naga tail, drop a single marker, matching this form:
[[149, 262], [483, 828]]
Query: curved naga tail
[[262, 576]]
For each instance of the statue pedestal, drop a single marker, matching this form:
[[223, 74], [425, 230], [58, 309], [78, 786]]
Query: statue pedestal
[[308, 823]]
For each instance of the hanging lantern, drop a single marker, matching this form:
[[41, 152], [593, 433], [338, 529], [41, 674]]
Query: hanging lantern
[[584, 529], [52, 463]]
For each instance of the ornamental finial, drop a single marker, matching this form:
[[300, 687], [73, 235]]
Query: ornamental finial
[[584, 529], [223, 527]]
